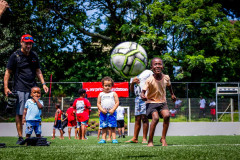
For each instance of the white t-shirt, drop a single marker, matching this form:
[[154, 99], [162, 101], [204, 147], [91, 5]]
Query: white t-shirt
[[173, 111], [178, 102], [212, 104], [120, 113], [142, 78], [107, 100], [202, 103]]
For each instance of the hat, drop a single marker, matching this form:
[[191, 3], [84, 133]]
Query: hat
[[27, 38]]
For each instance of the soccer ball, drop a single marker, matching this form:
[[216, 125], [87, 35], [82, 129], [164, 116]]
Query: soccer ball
[[128, 59]]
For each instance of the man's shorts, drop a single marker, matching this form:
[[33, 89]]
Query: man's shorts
[[72, 124], [58, 125], [153, 107], [22, 98], [120, 123], [140, 106], [108, 120], [33, 125], [82, 123]]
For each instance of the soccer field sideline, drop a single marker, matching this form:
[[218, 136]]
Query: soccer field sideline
[[175, 129]]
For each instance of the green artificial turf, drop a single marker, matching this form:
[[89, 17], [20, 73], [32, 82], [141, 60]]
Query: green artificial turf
[[180, 147]]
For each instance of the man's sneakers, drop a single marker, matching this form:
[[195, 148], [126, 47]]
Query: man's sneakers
[[119, 136], [123, 136], [20, 139]]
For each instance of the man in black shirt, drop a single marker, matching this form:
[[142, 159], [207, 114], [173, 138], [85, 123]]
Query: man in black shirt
[[24, 65]]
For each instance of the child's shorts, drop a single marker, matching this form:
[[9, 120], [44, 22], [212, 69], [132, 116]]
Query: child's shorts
[[152, 107], [72, 124], [107, 120], [140, 107], [120, 123], [81, 123], [33, 125], [58, 125]]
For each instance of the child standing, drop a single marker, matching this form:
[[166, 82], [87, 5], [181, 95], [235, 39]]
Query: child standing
[[58, 122], [107, 103], [32, 113], [156, 103], [82, 105], [72, 123]]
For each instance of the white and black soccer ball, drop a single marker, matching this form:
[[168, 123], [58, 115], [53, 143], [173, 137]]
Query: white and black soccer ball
[[128, 59]]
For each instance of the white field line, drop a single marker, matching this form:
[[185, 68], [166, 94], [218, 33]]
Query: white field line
[[201, 145]]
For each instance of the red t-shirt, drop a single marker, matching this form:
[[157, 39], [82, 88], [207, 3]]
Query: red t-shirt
[[81, 105], [71, 116], [58, 114]]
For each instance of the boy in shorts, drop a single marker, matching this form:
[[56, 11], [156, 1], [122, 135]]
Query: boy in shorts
[[154, 93], [58, 121], [82, 105], [32, 113], [72, 123]]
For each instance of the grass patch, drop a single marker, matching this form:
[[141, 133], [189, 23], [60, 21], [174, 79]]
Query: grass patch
[[180, 147]]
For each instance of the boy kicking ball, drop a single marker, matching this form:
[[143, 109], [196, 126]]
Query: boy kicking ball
[[156, 103]]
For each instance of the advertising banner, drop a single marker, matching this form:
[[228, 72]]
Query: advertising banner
[[94, 88]]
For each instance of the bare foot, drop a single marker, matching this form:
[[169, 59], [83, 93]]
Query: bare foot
[[97, 138], [150, 144], [109, 139], [75, 138], [132, 141], [164, 143], [53, 138], [69, 137]]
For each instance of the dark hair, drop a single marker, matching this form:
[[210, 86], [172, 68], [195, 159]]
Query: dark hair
[[57, 105], [81, 91], [71, 104], [107, 79], [154, 59]]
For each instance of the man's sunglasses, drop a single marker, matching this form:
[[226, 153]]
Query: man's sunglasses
[[27, 38]]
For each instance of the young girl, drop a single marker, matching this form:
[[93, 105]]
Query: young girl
[[107, 104]]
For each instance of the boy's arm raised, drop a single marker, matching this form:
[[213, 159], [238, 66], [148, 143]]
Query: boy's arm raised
[[40, 106]]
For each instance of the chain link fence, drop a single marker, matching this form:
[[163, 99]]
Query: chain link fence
[[187, 92]]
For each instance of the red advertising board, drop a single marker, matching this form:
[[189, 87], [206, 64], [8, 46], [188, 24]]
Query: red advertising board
[[94, 88]]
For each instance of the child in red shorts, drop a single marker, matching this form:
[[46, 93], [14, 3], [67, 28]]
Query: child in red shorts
[[72, 123], [58, 122], [81, 105]]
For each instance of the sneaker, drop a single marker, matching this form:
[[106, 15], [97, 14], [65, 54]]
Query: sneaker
[[85, 137], [114, 141], [123, 136], [102, 141], [20, 139], [119, 136]]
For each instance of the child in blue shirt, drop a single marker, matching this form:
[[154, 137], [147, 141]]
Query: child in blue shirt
[[32, 113]]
